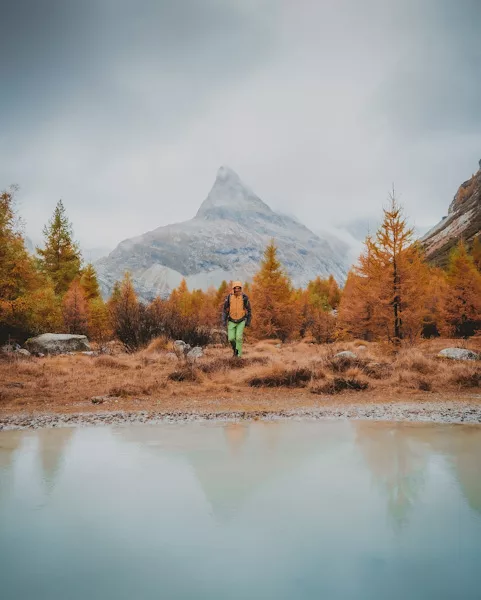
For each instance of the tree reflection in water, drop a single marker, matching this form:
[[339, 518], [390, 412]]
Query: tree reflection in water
[[397, 459]]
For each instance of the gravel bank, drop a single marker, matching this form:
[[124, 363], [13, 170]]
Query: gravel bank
[[436, 412]]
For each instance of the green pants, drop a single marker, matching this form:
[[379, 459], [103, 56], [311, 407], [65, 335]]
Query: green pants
[[234, 334]]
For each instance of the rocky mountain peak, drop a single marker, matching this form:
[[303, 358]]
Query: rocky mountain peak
[[225, 240], [463, 221], [230, 196]]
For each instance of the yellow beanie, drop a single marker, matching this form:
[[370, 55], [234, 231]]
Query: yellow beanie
[[236, 284]]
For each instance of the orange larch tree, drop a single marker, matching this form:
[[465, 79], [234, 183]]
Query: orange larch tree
[[273, 299], [75, 309], [462, 305], [476, 251]]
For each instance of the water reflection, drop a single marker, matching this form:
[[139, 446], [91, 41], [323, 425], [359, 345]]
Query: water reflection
[[263, 510], [52, 449], [397, 461], [462, 449]]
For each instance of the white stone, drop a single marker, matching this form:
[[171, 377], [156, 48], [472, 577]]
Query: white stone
[[23, 352], [195, 353], [345, 354], [458, 354]]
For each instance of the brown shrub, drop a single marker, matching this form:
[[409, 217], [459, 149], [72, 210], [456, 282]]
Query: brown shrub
[[227, 364], [414, 360], [425, 385], [340, 364], [378, 370], [158, 344], [124, 391], [185, 373], [110, 363], [467, 379], [339, 384], [280, 377]]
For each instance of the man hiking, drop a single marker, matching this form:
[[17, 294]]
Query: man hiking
[[236, 315]]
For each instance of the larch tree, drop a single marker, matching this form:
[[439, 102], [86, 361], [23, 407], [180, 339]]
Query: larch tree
[[356, 313], [334, 293], [462, 306], [436, 294], [385, 294], [274, 314], [60, 257], [476, 251], [99, 328], [125, 313], [89, 282], [398, 264], [75, 309], [18, 276]]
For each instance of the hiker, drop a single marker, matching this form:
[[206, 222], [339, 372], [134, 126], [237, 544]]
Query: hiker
[[236, 315]]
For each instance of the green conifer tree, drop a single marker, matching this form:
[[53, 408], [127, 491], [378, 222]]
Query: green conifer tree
[[60, 259]]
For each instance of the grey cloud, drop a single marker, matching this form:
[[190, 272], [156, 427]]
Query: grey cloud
[[435, 81], [126, 109]]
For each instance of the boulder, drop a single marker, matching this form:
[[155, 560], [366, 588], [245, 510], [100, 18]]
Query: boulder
[[181, 348], [8, 348], [218, 337], [23, 352], [57, 343], [458, 354], [194, 354], [346, 354]]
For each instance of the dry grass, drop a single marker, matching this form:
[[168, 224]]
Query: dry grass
[[266, 376], [109, 362]]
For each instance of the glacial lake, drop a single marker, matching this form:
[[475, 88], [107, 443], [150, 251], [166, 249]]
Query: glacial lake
[[261, 510]]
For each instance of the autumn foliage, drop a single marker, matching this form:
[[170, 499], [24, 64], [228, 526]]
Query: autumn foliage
[[392, 294]]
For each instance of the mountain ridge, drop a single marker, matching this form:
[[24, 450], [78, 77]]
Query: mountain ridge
[[224, 240], [463, 221]]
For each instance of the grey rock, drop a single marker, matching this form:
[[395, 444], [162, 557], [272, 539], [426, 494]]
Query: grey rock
[[181, 348], [23, 352], [458, 354], [57, 343], [8, 348], [195, 353], [90, 353], [345, 354], [361, 347], [99, 399], [218, 337]]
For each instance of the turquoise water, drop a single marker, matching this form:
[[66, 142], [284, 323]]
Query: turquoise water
[[321, 510]]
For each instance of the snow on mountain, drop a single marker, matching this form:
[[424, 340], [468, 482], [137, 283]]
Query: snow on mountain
[[225, 240]]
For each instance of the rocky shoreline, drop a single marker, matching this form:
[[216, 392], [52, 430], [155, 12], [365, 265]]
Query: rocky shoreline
[[448, 412]]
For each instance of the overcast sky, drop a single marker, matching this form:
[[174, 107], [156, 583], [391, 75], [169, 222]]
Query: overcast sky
[[126, 109]]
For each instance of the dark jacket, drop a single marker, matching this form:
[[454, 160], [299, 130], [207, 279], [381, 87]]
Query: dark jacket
[[247, 307]]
